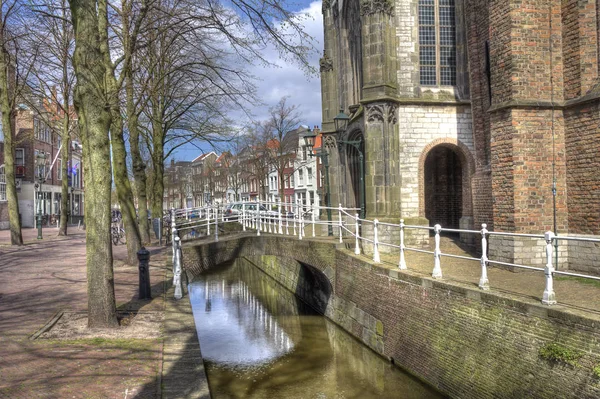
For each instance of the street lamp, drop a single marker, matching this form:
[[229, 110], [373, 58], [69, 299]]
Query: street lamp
[[71, 204], [341, 124], [309, 140], [40, 163]]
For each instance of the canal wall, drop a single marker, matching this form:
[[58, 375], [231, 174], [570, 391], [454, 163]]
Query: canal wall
[[465, 342]]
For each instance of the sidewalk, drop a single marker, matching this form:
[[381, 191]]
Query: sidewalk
[[45, 276]]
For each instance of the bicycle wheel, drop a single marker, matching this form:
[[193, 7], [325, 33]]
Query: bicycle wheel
[[122, 238], [114, 235]]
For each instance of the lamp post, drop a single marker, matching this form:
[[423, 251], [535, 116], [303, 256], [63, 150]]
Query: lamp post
[[40, 163], [341, 123], [309, 140], [71, 203]]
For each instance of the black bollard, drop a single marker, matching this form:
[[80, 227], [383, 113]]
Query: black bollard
[[144, 259]]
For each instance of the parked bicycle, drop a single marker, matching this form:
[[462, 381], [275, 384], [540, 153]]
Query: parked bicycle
[[117, 232]]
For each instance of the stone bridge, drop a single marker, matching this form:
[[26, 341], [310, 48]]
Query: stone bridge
[[465, 342]]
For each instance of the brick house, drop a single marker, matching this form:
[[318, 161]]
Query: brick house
[[34, 136], [469, 112]]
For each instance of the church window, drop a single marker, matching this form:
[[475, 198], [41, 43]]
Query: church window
[[437, 42]]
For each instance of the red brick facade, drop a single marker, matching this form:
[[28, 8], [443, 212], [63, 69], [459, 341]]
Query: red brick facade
[[536, 107]]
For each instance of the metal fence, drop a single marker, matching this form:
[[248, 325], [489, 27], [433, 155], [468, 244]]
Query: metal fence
[[207, 221]]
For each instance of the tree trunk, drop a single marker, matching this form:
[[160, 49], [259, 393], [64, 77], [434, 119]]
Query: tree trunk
[[66, 205], [93, 110], [139, 169], [9, 153], [119, 153], [64, 154], [124, 193]]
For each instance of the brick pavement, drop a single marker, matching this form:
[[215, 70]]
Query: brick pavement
[[42, 277], [45, 276]]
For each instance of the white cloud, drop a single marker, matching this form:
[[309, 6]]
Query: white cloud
[[289, 80], [284, 79]]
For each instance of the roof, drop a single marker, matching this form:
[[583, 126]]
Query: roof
[[202, 157]]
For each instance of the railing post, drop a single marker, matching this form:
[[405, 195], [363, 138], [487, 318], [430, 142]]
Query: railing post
[[356, 246], [257, 215], [295, 216], [437, 253], [216, 224], [207, 221], [340, 222], [174, 247], [549, 297], [177, 276], [287, 225], [484, 283], [376, 242], [243, 217], [301, 228], [312, 218], [402, 264], [280, 218]]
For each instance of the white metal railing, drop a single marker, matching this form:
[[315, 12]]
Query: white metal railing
[[276, 218]]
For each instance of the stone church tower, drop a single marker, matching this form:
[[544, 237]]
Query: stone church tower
[[468, 112]]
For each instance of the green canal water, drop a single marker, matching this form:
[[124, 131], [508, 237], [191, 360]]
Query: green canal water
[[259, 341]]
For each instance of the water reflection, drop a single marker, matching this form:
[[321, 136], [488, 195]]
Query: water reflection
[[258, 340]]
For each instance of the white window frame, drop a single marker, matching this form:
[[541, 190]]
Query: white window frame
[[3, 197], [22, 151]]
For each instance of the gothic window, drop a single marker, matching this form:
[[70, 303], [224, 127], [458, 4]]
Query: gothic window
[[437, 42]]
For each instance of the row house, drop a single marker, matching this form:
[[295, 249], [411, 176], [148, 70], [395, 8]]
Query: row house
[[252, 175], [39, 188]]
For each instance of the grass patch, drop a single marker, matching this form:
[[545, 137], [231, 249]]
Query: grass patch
[[582, 280], [557, 353], [596, 370]]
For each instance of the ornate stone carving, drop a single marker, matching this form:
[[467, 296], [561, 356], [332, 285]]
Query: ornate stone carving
[[329, 141], [326, 63], [375, 113], [391, 113], [325, 6], [382, 112], [370, 7]]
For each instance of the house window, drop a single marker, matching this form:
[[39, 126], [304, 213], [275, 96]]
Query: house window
[[19, 157], [59, 170], [310, 176], [2, 184], [292, 181], [301, 177], [41, 131], [437, 42], [40, 171]]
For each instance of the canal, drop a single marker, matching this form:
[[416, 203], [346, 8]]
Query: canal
[[259, 341]]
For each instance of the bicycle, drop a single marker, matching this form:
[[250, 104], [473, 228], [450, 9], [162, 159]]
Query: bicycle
[[117, 233]]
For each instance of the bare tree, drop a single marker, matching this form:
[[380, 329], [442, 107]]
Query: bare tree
[[15, 65], [93, 106], [54, 79], [189, 51], [280, 127]]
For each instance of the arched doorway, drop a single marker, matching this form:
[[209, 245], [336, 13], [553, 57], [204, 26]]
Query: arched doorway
[[356, 166], [443, 181]]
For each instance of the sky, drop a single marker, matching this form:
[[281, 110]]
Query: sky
[[284, 80]]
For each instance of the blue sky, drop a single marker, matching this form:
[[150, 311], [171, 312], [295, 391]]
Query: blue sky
[[284, 80]]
